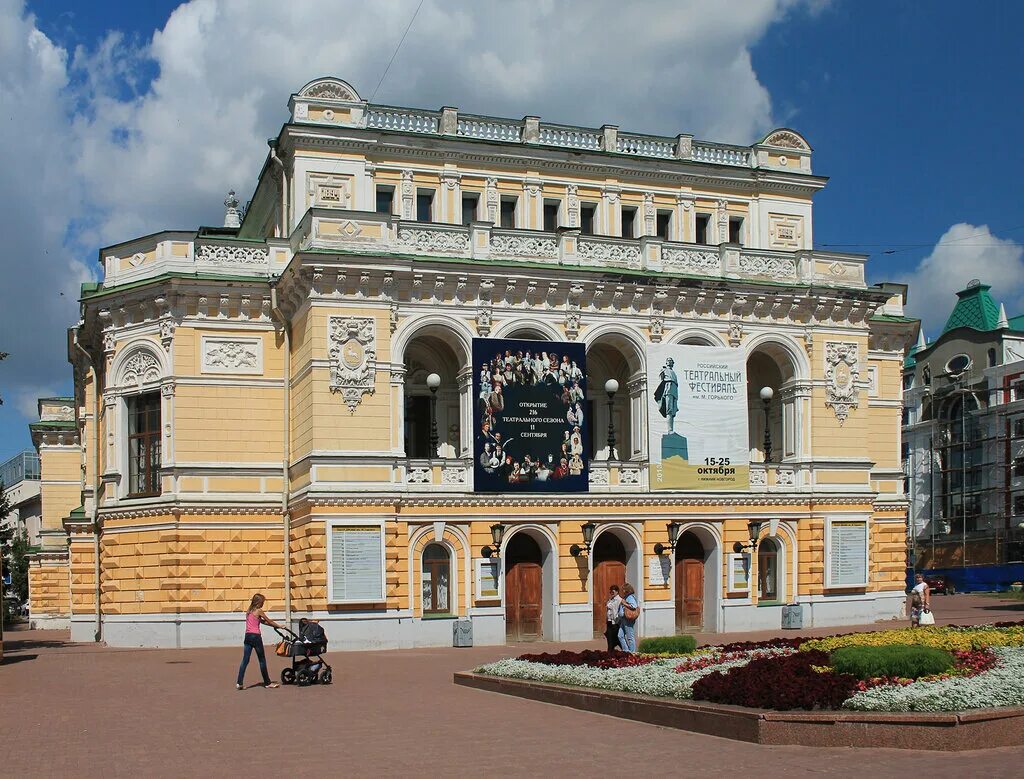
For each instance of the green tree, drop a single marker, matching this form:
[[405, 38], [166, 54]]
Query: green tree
[[14, 547]]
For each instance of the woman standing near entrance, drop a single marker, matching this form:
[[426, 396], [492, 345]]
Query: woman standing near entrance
[[254, 617], [629, 610], [611, 632]]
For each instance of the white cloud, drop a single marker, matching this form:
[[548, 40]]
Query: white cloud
[[96, 153], [965, 252]]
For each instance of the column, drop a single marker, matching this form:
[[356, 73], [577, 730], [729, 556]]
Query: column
[[398, 409], [465, 382], [637, 388]]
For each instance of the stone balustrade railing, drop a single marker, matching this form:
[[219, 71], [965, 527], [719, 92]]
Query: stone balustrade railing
[[339, 229], [531, 130]]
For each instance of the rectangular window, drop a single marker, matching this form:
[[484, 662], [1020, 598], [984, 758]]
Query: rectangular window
[[551, 208], [1018, 428], [385, 200], [1018, 504], [848, 554], [1018, 466], [470, 204], [424, 205], [588, 212], [703, 225], [628, 221], [736, 229], [357, 565], [1018, 390], [144, 445], [664, 224], [508, 211], [906, 417]]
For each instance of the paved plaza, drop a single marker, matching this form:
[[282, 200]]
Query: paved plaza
[[83, 710]]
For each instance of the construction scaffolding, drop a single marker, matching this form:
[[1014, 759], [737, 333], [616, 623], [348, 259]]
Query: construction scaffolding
[[970, 481]]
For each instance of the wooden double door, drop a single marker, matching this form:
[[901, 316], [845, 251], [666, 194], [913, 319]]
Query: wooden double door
[[524, 590], [689, 572], [609, 568]]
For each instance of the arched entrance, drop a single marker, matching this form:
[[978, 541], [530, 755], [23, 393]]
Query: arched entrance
[[524, 589], [610, 559], [689, 569]]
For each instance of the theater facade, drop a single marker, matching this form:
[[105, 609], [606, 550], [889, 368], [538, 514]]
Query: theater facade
[[450, 367]]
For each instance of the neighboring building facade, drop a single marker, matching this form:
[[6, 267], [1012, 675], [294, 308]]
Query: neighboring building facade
[[963, 442], [253, 410], [20, 479]]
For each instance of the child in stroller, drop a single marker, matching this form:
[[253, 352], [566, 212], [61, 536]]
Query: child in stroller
[[306, 650]]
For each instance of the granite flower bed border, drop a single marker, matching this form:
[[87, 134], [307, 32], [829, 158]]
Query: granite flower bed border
[[898, 713], [945, 731]]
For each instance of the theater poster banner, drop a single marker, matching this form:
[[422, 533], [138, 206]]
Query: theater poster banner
[[529, 416], [697, 413]]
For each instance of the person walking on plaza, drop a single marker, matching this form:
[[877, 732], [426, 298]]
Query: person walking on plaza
[[920, 601], [611, 631], [254, 617], [629, 610]]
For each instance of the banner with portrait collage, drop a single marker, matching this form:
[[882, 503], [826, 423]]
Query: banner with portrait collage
[[529, 422], [697, 418]]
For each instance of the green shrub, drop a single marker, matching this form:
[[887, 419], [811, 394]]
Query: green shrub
[[667, 645], [896, 660]]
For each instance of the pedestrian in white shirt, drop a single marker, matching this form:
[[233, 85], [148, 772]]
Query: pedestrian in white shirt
[[611, 631], [920, 600]]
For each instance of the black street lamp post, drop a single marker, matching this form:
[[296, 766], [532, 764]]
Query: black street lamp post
[[611, 387], [433, 382], [767, 393]]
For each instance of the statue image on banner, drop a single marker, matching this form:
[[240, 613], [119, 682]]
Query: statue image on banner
[[667, 398], [701, 396]]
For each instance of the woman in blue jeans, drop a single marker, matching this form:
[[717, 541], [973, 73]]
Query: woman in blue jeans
[[254, 617], [627, 631]]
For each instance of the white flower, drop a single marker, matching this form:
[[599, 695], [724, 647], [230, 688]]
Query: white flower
[[658, 678], [1000, 686]]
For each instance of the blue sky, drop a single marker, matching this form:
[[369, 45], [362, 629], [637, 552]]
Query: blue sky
[[913, 110]]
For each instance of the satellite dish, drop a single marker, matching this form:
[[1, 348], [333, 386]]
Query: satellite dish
[[973, 283]]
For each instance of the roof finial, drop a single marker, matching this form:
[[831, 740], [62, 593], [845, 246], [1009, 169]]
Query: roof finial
[[1003, 323], [921, 343], [231, 215]]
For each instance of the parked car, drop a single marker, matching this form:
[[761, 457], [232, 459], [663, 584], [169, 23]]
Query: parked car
[[939, 584]]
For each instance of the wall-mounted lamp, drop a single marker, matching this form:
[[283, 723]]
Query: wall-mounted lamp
[[588, 538], [497, 533], [754, 529], [673, 536]]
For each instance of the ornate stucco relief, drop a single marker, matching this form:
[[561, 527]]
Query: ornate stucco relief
[[232, 355], [841, 374], [352, 349]]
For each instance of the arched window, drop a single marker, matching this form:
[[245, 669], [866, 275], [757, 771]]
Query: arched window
[[437, 569], [768, 571], [991, 358]]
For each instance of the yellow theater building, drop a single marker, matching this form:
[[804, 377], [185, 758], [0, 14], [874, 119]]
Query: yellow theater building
[[290, 403]]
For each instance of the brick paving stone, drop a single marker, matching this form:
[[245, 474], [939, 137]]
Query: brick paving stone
[[83, 710]]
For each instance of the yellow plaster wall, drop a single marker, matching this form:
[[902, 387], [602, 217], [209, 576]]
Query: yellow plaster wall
[[228, 424], [192, 569], [82, 559], [888, 554], [49, 588]]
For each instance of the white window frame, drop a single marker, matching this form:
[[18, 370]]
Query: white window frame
[[637, 217], [865, 521], [517, 215], [351, 522], [453, 579], [463, 193]]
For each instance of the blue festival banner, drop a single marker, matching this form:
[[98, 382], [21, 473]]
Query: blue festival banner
[[530, 400]]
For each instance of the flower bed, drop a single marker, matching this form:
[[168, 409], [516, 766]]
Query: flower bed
[[796, 673]]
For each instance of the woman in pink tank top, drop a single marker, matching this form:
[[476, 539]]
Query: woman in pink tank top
[[254, 617]]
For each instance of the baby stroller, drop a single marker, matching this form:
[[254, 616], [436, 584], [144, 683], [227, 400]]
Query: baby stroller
[[306, 651]]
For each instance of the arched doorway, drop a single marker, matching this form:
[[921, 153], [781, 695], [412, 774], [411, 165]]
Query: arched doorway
[[689, 583], [610, 559], [524, 589]]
